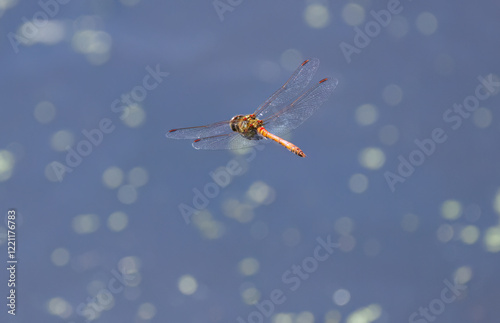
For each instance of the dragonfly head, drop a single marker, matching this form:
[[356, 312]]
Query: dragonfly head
[[235, 122]]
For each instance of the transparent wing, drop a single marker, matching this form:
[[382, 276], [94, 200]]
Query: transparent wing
[[295, 84], [210, 130], [301, 109], [227, 141]]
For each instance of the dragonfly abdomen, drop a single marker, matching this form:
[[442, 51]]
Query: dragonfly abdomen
[[288, 145]]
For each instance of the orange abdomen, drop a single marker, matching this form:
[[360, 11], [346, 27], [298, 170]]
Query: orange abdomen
[[288, 145]]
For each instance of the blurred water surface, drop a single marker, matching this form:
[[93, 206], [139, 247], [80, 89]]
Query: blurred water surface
[[392, 217]]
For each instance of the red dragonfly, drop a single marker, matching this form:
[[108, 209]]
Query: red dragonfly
[[277, 116]]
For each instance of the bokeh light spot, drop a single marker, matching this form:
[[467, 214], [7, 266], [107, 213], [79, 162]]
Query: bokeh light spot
[[85, 223], [482, 118], [239, 211], [112, 177], [117, 221], [208, 227], [6, 4], [463, 275], [96, 45], [187, 285], [427, 23], [366, 114], [129, 265], [496, 202], [250, 294], [61, 140], [341, 297], [127, 194], [371, 158], [146, 311], [59, 307], [353, 14], [316, 15], [133, 116], [492, 239], [347, 243], [451, 209], [138, 176], [304, 317], [248, 266], [344, 225], [358, 183], [60, 257], [469, 234], [445, 233], [6, 165], [365, 315], [261, 193], [44, 112], [392, 94]]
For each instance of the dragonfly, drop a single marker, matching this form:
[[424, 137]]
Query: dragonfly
[[282, 112]]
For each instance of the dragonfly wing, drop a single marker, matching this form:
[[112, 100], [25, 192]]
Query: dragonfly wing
[[210, 130], [225, 141], [295, 84], [301, 109]]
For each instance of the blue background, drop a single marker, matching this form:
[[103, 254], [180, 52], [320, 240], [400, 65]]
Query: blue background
[[396, 248]]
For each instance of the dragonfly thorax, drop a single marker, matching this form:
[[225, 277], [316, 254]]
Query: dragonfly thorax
[[246, 126]]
